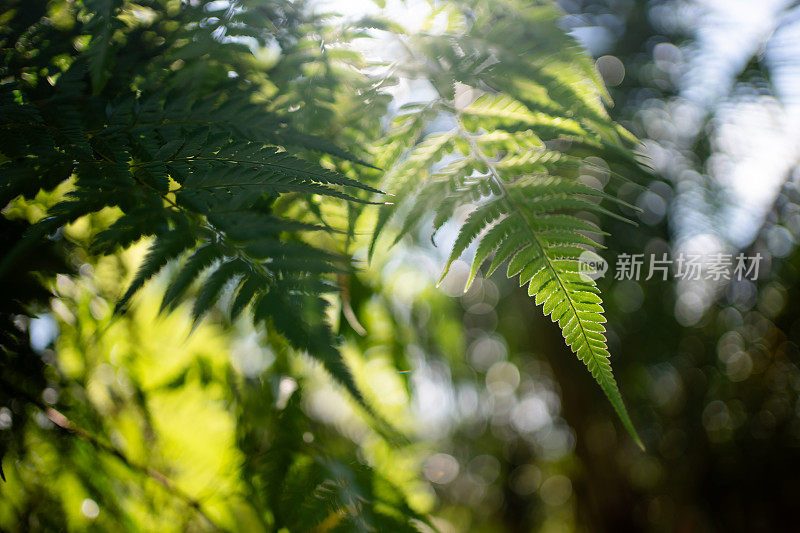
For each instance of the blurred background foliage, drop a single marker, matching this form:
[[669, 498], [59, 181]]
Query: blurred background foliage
[[144, 422]]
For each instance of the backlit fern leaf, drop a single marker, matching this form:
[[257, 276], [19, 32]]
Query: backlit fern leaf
[[515, 153]]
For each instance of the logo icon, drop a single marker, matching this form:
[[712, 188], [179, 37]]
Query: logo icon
[[592, 266]]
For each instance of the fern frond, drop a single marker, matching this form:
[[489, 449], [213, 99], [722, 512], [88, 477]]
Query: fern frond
[[516, 156], [198, 174]]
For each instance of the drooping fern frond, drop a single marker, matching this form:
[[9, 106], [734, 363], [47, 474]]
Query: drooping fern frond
[[524, 124], [197, 172]]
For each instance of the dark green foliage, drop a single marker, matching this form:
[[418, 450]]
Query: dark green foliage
[[156, 116], [197, 170]]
